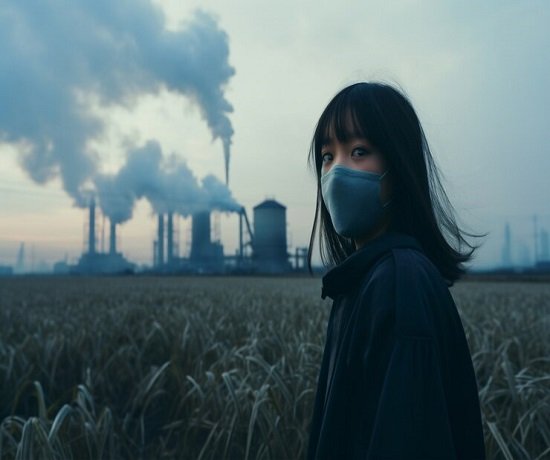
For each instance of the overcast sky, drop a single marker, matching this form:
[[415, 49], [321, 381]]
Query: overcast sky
[[476, 72]]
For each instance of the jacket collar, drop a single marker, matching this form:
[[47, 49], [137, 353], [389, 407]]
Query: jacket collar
[[350, 272]]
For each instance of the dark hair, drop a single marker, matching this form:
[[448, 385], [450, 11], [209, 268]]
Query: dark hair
[[420, 207]]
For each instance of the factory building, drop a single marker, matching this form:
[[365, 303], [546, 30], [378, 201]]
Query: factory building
[[6, 270], [206, 256], [94, 262], [263, 246]]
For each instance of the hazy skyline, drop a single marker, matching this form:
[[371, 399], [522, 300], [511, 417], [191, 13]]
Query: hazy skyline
[[475, 72]]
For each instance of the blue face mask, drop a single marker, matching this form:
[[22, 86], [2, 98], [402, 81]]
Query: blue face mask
[[352, 198]]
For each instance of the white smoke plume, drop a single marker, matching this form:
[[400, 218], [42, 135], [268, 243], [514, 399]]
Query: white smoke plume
[[167, 183], [54, 52]]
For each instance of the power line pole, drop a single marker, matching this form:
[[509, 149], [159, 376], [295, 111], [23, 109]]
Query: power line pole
[[536, 239]]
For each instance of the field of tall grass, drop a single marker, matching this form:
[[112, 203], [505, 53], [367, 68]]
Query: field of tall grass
[[226, 368]]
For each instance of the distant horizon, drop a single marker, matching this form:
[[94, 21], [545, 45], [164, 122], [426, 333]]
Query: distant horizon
[[519, 248], [158, 103]]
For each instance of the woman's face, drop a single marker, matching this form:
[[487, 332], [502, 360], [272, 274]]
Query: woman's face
[[355, 153]]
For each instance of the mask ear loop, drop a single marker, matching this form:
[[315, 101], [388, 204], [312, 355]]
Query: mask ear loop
[[381, 177]]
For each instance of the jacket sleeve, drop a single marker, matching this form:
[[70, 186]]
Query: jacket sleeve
[[405, 414], [411, 419]]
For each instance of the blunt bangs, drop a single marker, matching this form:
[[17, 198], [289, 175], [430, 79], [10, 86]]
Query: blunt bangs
[[347, 116]]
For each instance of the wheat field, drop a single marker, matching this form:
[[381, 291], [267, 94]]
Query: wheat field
[[225, 368]]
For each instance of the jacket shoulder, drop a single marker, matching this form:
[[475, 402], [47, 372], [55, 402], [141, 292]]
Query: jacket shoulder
[[406, 265], [413, 266], [422, 297], [406, 281]]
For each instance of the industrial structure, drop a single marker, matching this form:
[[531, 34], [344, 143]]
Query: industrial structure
[[262, 246], [269, 245], [262, 249], [96, 262], [206, 255]]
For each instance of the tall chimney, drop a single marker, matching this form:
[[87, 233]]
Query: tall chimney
[[160, 241], [170, 238], [112, 241], [91, 228], [241, 216]]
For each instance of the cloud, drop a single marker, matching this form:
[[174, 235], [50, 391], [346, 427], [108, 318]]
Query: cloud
[[166, 182], [60, 53]]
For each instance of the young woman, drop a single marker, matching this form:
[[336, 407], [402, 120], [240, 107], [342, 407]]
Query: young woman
[[396, 380]]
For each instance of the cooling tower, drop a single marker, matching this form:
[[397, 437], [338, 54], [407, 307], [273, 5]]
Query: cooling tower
[[200, 236]]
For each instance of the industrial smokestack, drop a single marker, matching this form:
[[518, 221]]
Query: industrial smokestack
[[170, 238], [160, 241], [112, 241], [226, 157], [241, 233], [91, 228]]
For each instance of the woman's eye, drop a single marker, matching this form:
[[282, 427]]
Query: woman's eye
[[326, 157], [359, 152]]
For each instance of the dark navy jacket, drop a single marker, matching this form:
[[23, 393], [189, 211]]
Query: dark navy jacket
[[396, 380]]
